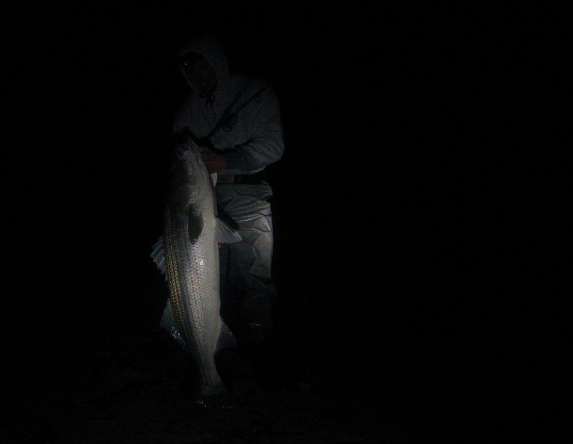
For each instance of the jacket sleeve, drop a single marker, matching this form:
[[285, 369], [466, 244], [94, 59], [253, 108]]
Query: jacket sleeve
[[265, 136]]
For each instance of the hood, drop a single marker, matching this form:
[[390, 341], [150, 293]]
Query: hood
[[209, 48]]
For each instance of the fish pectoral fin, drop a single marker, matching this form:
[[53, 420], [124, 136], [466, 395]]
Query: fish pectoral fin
[[224, 234], [194, 225]]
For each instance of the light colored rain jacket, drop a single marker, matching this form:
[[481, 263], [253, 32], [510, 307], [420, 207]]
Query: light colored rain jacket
[[254, 140]]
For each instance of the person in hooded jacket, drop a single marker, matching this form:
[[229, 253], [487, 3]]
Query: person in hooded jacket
[[238, 152]]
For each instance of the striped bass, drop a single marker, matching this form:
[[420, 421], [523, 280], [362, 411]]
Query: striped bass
[[189, 256]]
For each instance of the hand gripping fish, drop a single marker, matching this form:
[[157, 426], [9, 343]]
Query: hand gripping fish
[[188, 255]]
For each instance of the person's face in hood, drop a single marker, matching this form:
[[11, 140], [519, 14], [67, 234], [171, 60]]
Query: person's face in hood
[[202, 74]]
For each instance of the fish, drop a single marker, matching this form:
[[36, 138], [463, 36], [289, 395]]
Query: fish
[[188, 254]]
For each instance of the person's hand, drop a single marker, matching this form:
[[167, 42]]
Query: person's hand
[[214, 162]]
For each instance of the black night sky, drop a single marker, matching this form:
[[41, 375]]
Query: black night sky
[[415, 230]]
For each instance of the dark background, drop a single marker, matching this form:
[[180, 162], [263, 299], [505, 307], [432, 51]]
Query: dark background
[[413, 207]]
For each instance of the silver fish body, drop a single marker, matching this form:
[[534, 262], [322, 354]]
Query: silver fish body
[[188, 254]]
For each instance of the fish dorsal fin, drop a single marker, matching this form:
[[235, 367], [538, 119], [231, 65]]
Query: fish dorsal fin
[[224, 234], [158, 256]]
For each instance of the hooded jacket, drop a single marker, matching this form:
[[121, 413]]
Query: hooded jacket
[[254, 139]]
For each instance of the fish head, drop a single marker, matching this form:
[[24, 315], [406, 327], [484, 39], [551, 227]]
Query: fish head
[[189, 180]]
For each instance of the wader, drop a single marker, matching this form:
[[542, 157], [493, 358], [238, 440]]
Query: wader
[[247, 290]]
